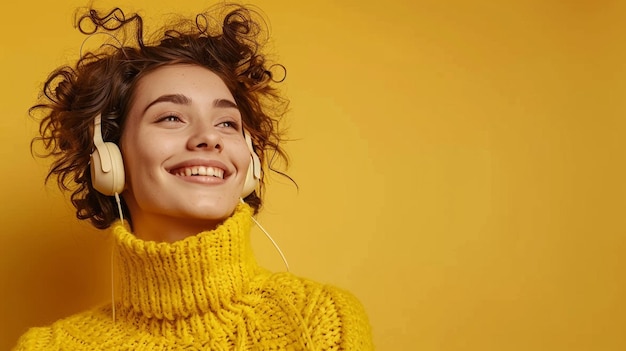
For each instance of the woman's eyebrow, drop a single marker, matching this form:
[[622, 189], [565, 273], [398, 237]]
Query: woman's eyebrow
[[174, 98], [224, 103], [185, 100]]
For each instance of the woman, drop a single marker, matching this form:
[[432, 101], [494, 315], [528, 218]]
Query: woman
[[164, 143]]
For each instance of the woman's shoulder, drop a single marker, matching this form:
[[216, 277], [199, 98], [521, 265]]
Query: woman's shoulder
[[303, 290], [37, 338], [329, 312], [57, 334]]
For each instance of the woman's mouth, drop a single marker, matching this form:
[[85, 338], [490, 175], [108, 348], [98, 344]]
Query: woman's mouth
[[198, 171]]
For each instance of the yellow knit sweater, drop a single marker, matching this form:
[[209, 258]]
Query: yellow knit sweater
[[207, 292]]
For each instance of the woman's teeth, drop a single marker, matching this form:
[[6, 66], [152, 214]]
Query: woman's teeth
[[200, 171]]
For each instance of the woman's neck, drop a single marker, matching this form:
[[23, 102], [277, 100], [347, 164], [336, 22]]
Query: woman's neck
[[170, 229]]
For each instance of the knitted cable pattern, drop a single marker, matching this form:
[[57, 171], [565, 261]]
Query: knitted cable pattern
[[207, 292]]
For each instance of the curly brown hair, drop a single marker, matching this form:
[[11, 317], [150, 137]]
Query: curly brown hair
[[102, 82]]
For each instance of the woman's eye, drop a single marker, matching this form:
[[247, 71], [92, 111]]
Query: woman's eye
[[228, 124], [170, 118]]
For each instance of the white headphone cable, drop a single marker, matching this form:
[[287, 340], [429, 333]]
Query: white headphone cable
[[273, 242], [269, 237], [119, 208]]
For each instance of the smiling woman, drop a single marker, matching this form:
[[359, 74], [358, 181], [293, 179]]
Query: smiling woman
[[183, 122], [164, 143]]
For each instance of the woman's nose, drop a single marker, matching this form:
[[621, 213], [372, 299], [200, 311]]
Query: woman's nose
[[205, 137]]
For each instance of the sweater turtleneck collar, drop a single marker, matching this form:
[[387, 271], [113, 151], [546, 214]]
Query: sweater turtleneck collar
[[196, 275]]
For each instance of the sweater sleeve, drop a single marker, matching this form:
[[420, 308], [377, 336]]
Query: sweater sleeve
[[338, 322]]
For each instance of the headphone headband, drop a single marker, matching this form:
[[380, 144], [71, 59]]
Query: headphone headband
[[105, 157]]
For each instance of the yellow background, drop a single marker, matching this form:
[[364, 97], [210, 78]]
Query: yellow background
[[461, 168]]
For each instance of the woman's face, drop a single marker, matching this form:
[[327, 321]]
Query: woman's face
[[184, 153]]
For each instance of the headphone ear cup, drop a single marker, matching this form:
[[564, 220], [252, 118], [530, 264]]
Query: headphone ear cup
[[253, 176], [251, 182], [112, 181]]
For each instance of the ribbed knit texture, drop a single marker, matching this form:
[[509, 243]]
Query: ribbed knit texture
[[207, 292]]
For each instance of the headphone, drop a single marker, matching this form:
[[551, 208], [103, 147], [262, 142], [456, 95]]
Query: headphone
[[107, 166]]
